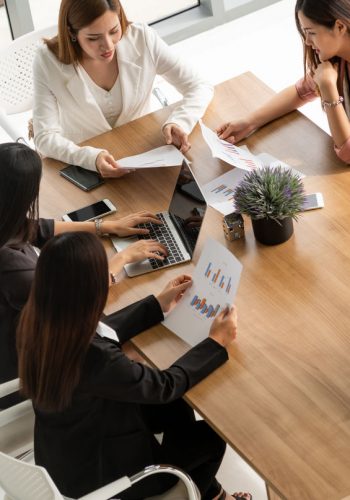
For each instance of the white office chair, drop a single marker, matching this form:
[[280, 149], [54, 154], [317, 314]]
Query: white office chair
[[22, 480], [25, 481], [16, 424], [16, 81]]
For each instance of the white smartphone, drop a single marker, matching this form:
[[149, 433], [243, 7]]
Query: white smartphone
[[91, 212], [314, 200]]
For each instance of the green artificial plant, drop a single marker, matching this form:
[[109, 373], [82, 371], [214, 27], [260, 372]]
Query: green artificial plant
[[270, 193]]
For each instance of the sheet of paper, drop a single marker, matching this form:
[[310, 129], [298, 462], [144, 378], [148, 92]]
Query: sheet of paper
[[219, 192], [268, 160], [233, 155], [164, 156], [215, 282]]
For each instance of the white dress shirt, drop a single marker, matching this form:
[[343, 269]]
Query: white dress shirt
[[109, 101]]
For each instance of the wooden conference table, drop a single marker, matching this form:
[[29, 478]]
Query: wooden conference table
[[283, 399]]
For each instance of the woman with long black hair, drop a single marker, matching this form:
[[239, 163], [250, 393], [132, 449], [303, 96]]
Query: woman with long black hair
[[22, 233], [97, 410]]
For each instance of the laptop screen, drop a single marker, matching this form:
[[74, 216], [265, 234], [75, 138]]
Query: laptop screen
[[187, 207]]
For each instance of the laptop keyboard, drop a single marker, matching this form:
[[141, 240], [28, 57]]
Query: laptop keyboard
[[163, 234]]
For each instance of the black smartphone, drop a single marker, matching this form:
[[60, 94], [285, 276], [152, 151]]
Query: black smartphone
[[84, 179]]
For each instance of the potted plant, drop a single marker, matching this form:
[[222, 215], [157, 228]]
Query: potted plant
[[272, 197]]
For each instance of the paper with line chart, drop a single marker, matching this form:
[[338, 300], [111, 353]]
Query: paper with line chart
[[235, 156], [215, 282], [219, 192]]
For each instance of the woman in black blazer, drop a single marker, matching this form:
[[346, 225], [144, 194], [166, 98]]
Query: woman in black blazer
[[97, 410], [22, 234]]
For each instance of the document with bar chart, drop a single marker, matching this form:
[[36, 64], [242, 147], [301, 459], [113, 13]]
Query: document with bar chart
[[219, 192], [215, 282]]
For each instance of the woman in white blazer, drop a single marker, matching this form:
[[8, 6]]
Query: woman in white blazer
[[98, 73]]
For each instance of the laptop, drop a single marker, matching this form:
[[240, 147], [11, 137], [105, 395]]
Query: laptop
[[180, 229]]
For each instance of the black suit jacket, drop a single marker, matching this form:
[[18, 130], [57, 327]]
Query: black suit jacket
[[102, 435], [17, 266]]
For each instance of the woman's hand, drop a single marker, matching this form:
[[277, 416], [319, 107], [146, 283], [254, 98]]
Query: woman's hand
[[224, 327], [174, 134], [235, 131], [172, 293], [108, 167], [326, 76], [141, 250], [136, 252], [125, 226]]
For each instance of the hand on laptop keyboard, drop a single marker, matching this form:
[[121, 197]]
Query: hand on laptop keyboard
[[127, 226], [143, 249], [164, 236]]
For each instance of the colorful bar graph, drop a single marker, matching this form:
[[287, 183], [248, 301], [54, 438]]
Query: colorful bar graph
[[218, 278], [228, 191], [209, 311], [223, 189], [218, 189], [208, 270]]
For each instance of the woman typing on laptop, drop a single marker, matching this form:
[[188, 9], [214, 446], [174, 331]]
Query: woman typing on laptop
[[96, 410], [21, 231], [98, 73]]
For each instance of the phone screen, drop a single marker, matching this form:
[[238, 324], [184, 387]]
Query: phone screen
[[89, 212], [314, 200], [85, 179]]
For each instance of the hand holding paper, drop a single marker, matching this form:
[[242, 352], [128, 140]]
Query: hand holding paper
[[164, 156], [173, 292], [224, 328], [235, 156]]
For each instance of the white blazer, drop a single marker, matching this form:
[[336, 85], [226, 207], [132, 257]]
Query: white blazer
[[65, 112]]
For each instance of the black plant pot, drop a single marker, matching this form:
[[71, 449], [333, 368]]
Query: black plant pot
[[269, 232]]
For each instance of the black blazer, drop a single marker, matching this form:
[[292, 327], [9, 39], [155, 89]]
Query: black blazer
[[17, 266], [102, 435]]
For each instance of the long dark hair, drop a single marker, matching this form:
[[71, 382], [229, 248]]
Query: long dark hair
[[325, 13], [19, 192], [60, 318], [75, 15]]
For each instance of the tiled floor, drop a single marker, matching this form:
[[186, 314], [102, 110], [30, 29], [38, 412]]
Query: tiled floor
[[267, 43]]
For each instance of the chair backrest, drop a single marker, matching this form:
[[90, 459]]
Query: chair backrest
[[22, 480], [16, 423], [16, 75]]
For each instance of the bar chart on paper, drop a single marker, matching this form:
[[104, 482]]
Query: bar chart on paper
[[224, 282], [215, 283], [225, 191], [201, 305], [219, 192]]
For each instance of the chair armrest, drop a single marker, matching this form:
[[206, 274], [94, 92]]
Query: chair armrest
[[15, 412], [125, 482], [9, 387], [160, 96], [12, 131], [109, 490]]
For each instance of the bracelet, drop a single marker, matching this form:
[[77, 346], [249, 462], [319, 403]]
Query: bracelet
[[99, 233], [114, 278], [332, 104]]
